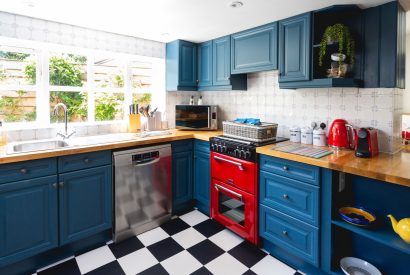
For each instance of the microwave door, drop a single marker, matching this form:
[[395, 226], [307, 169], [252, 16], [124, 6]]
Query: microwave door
[[192, 117]]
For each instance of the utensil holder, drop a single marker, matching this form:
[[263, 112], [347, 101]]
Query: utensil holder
[[151, 125], [134, 123]]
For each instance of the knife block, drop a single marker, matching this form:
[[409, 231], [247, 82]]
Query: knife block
[[134, 123]]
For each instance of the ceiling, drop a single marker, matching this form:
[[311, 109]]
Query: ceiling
[[166, 20]]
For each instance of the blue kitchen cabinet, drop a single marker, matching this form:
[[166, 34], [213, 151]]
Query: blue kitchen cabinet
[[202, 176], [181, 66], [205, 64], [221, 73], [295, 48], [255, 50], [28, 218], [182, 174], [85, 203]]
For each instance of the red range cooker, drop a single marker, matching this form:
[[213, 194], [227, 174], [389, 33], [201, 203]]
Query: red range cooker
[[234, 185]]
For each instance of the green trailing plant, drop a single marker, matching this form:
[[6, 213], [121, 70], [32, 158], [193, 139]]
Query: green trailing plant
[[107, 106], [341, 34], [12, 110]]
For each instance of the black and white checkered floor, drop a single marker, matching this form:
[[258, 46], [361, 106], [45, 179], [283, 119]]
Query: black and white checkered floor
[[189, 244]]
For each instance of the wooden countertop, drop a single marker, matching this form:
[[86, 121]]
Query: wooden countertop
[[176, 135], [385, 167], [390, 168]]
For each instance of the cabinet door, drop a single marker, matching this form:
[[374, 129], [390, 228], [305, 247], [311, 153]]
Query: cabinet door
[[294, 48], [28, 218], [187, 64], [202, 178], [221, 61], [181, 179], [85, 203], [255, 50], [205, 64]]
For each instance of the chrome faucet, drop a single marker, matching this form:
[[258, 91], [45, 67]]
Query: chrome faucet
[[64, 134]]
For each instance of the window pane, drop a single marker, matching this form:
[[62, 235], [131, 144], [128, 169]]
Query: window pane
[[108, 73], [17, 106], [109, 106], [68, 69], [141, 73], [76, 103], [17, 68], [143, 99]]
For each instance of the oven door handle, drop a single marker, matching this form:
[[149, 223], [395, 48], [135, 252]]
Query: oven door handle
[[217, 187], [231, 162]]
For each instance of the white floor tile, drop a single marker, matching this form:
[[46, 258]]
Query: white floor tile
[[181, 264], [272, 266], [226, 239], [94, 259], [188, 237], [137, 261], [153, 236], [226, 264], [194, 217]]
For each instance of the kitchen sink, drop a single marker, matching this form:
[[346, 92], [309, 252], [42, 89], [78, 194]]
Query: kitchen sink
[[39, 145]]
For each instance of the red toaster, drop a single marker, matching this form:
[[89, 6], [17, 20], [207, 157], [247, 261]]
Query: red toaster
[[366, 143]]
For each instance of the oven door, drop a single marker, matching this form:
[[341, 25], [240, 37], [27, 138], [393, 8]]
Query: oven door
[[235, 209], [194, 117]]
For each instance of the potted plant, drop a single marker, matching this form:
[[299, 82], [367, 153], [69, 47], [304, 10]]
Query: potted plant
[[340, 34]]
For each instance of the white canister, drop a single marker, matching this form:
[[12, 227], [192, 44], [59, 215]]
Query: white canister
[[306, 135], [158, 120], [319, 137], [294, 134]]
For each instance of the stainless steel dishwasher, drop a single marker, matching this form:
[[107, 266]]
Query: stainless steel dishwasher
[[142, 190]]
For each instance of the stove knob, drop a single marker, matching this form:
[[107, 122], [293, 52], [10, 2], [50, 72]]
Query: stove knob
[[220, 148], [237, 153], [212, 146], [243, 154], [224, 149], [247, 155]]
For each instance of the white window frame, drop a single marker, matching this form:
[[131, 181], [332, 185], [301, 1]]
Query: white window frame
[[43, 88]]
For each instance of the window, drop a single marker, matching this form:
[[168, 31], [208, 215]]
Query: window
[[95, 86]]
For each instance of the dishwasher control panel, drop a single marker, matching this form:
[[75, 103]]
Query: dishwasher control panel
[[143, 157]]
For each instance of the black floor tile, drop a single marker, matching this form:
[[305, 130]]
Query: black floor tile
[[297, 273], [69, 267], [202, 271], [205, 251], [154, 270], [165, 249], [209, 228], [112, 268], [249, 272], [125, 247], [247, 254], [174, 226]]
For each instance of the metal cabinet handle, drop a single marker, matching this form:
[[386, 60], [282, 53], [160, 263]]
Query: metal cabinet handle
[[61, 184], [217, 187], [285, 168], [86, 160], [285, 196], [55, 185], [23, 171], [285, 233], [231, 162]]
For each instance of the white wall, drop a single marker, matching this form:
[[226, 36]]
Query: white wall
[[406, 95]]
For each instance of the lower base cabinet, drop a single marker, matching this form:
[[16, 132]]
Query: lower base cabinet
[[28, 218], [202, 176], [85, 203]]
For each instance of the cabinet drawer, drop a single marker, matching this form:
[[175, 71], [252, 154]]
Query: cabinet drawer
[[292, 197], [83, 161], [182, 145], [27, 170], [298, 238], [290, 169], [202, 146]]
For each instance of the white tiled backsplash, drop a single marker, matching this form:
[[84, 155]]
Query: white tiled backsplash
[[379, 108]]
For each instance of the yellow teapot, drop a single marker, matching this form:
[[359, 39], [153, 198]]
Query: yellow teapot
[[402, 228]]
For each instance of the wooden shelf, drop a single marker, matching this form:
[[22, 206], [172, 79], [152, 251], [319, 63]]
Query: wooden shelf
[[384, 235]]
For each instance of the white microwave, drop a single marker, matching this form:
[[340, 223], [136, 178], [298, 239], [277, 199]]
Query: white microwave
[[196, 117]]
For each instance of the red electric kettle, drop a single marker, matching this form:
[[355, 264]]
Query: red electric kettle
[[341, 135]]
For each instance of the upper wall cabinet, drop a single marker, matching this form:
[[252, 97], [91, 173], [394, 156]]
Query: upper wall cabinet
[[255, 50], [294, 48], [181, 66], [384, 46], [205, 64]]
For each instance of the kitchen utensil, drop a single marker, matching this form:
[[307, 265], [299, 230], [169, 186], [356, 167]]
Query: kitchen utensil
[[356, 266], [366, 143], [341, 135], [402, 228], [153, 112], [306, 135], [357, 215], [294, 134]]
